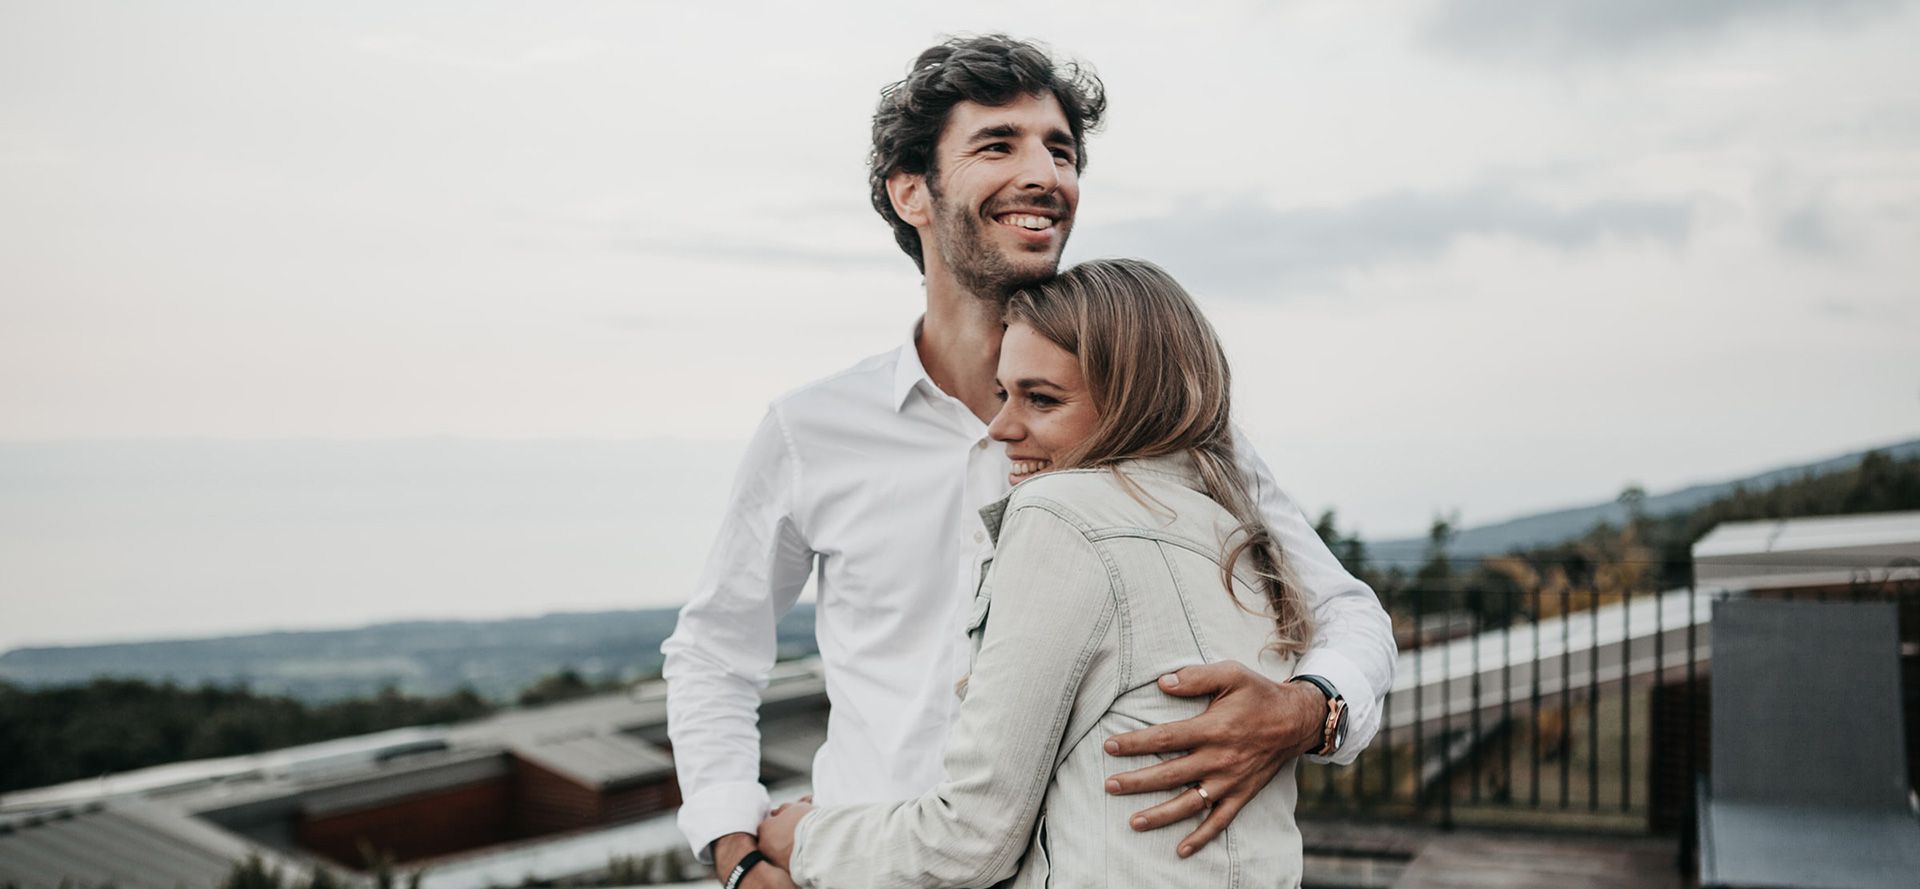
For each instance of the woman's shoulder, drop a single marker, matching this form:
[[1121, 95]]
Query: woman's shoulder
[[1123, 496]]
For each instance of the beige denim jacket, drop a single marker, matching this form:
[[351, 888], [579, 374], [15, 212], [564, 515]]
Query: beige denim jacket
[[1093, 593]]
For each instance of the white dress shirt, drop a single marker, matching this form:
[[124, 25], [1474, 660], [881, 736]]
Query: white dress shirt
[[874, 478]]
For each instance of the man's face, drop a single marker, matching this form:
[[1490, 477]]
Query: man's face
[[1004, 193]]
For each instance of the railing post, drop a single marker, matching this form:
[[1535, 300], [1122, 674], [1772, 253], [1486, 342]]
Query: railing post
[[1626, 701], [1593, 700], [1506, 694], [1419, 701], [1566, 696], [1479, 606], [1446, 720]]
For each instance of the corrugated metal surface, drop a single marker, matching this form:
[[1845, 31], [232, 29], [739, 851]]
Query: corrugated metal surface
[[597, 761], [788, 743], [403, 780], [129, 845]]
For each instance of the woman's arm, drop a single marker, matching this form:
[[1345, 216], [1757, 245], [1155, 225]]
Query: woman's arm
[[1051, 615]]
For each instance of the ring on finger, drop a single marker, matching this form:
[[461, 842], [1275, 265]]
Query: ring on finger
[[1205, 800]]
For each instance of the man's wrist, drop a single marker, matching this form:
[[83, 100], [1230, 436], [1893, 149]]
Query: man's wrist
[[728, 850], [1333, 729]]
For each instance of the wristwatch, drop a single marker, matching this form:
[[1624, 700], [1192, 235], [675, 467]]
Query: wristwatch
[[1335, 730]]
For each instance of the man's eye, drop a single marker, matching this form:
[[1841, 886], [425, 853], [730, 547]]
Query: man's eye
[[1000, 395], [999, 147], [1062, 154]]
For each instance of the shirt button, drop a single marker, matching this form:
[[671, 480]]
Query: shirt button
[[979, 537], [982, 445]]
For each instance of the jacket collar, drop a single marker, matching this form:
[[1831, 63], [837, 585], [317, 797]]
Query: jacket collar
[[1179, 468]]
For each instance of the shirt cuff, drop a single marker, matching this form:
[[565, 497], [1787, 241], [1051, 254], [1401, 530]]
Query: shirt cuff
[[714, 812], [1362, 705], [797, 861]]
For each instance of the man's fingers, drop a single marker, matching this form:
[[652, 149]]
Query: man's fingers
[[1203, 679], [1171, 737], [1167, 775], [1183, 806], [1217, 820]]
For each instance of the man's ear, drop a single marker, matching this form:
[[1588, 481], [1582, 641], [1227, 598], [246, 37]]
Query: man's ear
[[910, 197]]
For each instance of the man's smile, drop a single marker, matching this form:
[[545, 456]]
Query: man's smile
[[1028, 221]]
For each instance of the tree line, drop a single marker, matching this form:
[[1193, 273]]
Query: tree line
[[65, 733], [1611, 561]]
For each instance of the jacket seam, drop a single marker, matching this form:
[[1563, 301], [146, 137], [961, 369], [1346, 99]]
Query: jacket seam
[[1186, 606]]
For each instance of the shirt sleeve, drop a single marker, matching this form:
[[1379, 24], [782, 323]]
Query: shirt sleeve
[[723, 645], [1353, 644], [1052, 610]]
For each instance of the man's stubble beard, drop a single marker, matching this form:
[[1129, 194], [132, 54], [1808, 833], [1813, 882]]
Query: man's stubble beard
[[980, 269]]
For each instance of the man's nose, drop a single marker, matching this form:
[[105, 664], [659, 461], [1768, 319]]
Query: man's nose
[[1038, 171]]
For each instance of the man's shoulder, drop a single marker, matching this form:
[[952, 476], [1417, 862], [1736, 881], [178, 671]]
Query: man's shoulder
[[866, 385]]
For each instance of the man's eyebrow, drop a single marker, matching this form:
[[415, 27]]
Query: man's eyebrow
[[995, 131], [1055, 136]]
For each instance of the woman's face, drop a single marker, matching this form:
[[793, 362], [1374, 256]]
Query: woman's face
[[1045, 408]]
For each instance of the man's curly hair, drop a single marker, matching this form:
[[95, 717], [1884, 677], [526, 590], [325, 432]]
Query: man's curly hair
[[990, 70]]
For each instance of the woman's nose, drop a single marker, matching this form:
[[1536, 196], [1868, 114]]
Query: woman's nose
[[1003, 427]]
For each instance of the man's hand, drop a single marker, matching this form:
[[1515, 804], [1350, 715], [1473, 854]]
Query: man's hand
[[1253, 727], [727, 852], [776, 832]]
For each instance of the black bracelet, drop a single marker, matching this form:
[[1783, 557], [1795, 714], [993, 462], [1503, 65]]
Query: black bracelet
[[747, 862]]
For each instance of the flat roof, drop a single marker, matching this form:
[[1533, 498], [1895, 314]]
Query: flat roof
[[1819, 551]]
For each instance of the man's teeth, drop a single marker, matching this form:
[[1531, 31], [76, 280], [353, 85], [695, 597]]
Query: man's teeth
[[1028, 467], [1031, 223]]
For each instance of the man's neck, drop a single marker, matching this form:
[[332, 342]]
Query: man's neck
[[959, 344]]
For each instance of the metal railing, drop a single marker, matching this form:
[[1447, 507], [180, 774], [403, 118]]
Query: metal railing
[[1563, 707]]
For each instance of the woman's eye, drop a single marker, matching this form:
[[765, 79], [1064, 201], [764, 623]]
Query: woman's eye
[[1039, 400]]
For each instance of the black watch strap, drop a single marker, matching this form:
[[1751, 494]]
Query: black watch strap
[[739, 871], [1319, 682], [1337, 732]]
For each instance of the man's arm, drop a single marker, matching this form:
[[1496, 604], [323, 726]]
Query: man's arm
[[723, 645], [1353, 644], [1254, 725]]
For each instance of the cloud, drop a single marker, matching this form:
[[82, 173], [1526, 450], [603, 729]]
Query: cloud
[[1807, 229], [1555, 30], [761, 252], [418, 50], [1248, 247]]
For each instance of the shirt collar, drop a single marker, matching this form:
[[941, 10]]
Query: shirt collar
[[908, 372]]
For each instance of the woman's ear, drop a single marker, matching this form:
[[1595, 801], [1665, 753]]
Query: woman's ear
[[910, 197]]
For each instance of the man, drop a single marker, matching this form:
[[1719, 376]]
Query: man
[[874, 476]]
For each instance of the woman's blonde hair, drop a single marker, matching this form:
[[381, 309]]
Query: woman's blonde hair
[[1159, 379]]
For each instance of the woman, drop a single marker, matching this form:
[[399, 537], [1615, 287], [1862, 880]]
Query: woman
[[1128, 549]]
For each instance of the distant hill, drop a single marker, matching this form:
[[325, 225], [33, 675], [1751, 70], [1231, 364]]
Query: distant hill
[[1553, 527], [496, 658]]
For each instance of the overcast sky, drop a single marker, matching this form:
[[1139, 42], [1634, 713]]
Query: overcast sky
[[1485, 255]]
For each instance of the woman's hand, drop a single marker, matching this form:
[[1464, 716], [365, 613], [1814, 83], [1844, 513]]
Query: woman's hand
[[776, 832], [1253, 727]]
